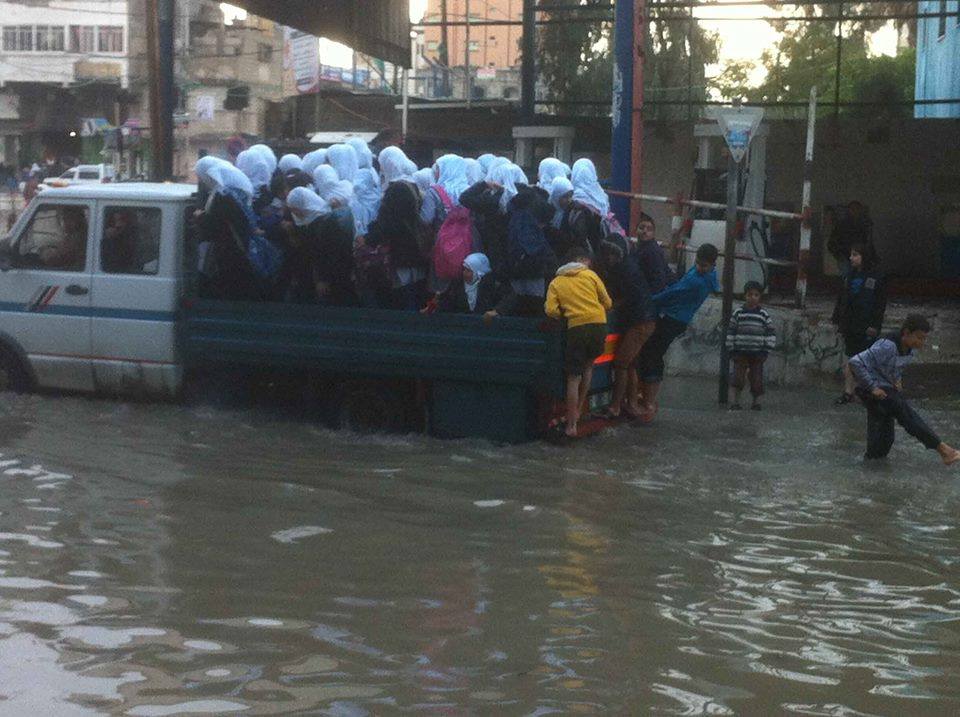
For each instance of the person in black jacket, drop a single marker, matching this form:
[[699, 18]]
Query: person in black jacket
[[476, 293], [859, 312], [483, 201], [636, 320]]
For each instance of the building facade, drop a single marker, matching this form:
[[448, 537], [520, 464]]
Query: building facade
[[938, 58]]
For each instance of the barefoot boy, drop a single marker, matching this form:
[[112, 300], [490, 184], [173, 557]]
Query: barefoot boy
[[579, 296], [879, 374]]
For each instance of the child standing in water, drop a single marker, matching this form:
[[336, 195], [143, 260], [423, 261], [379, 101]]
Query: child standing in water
[[879, 376], [750, 337], [579, 296]]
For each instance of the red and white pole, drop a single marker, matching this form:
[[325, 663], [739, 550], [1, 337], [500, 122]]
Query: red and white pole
[[803, 261]]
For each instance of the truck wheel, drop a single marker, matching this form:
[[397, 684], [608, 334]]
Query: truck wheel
[[13, 374]]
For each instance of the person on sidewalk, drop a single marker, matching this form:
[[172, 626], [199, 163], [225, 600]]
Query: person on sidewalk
[[750, 336], [879, 374]]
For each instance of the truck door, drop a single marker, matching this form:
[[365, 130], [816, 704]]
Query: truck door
[[45, 296], [135, 292]]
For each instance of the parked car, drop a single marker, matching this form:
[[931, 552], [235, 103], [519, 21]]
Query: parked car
[[81, 174]]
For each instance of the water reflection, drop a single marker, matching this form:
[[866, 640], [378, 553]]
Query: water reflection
[[160, 560]]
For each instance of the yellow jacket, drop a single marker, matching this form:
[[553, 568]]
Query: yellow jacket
[[577, 295]]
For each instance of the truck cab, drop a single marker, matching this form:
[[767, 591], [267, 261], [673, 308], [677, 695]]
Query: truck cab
[[91, 277]]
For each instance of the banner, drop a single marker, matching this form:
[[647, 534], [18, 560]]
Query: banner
[[301, 63]]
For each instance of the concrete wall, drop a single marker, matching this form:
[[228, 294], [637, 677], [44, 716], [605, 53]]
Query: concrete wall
[[938, 60]]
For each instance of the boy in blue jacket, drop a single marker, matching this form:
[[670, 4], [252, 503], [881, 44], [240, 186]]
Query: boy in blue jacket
[[676, 306], [879, 374]]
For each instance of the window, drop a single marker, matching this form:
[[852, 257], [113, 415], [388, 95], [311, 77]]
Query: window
[[88, 174], [265, 52], [942, 20], [474, 46], [56, 239], [49, 38], [82, 39], [18, 38], [131, 241], [110, 39]]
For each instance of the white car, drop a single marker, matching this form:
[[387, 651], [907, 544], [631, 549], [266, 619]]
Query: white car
[[82, 174]]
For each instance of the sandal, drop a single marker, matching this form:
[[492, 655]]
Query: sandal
[[844, 399]]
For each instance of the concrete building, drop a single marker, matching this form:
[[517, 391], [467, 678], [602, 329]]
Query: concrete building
[[938, 58], [66, 67]]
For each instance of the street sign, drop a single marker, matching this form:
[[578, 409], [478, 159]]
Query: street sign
[[739, 125]]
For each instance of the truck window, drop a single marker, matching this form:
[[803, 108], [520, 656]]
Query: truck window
[[89, 174], [131, 240], [55, 239]]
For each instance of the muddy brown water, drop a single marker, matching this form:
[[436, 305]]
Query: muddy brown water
[[162, 560]]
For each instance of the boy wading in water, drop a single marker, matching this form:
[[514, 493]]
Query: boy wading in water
[[579, 296], [879, 375], [750, 337]]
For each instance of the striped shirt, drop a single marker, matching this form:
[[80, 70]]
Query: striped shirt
[[751, 332]]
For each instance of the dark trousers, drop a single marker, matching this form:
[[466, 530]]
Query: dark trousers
[[752, 365], [650, 361], [881, 416]]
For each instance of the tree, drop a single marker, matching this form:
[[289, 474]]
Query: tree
[[576, 59]]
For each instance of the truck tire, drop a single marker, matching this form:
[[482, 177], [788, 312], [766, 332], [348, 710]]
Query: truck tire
[[13, 373]]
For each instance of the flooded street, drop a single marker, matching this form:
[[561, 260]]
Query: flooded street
[[162, 560]]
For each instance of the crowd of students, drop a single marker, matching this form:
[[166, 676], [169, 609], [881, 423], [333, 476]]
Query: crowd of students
[[341, 227]]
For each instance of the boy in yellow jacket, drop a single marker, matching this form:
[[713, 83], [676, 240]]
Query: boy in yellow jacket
[[579, 296]]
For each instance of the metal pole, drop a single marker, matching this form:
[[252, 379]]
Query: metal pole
[[528, 67], [405, 114], [803, 259], [444, 50], [153, 62], [836, 79], [623, 116], [468, 79], [729, 268], [636, 140]]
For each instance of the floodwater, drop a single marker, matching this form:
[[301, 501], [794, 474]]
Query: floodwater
[[163, 560]]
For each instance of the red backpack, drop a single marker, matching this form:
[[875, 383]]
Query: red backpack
[[454, 240]]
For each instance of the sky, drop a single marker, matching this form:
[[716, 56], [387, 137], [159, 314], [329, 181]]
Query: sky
[[741, 39]]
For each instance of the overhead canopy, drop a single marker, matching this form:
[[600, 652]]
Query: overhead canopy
[[376, 27]]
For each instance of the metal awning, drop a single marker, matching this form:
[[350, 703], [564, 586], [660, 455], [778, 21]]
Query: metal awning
[[330, 138], [376, 27]]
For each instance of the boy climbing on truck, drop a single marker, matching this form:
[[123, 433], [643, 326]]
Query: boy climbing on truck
[[879, 374], [578, 295]]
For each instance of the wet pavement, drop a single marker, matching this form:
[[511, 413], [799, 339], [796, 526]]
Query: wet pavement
[[163, 560]]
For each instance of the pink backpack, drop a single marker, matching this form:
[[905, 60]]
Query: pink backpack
[[454, 240]]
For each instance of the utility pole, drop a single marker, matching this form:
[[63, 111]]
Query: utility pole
[[528, 67], [467, 79], [729, 269], [161, 57], [444, 49]]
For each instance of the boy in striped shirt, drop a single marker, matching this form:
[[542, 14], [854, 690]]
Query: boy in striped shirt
[[749, 337]]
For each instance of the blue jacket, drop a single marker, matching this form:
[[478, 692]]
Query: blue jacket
[[682, 300], [881, 365]]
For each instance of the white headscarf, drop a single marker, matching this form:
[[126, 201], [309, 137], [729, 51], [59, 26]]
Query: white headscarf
[[324, 177], [218, 174], [367, 190], [313, 160], [452, 176], [255, 166], [410, 167], [496, 162], [586, 188], [479, 264], [475, 171], [393, 166], [341, 191], [268, 154], [343, 158], [508, 176], [423, 178], [364, 155], [306, 207], [485, 161], [560, 188], [289, 162], [550, 169]]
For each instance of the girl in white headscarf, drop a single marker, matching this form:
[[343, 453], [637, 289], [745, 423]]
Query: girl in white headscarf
[[289, 162], [495, 163], [324, 177], [219, 176], [343, 158], [423, 179], [313, 160], [450, 172], [364, 155], [475, 293], [393, 167], [475, 172], [255, 166], [550, 169], [367, 190], [507, 176], [561, 192], [587, 189], [323, 264], [485, 160], [306, 206], [268, 154]]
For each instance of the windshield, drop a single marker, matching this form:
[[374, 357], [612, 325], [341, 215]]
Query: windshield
[[66, 175]]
